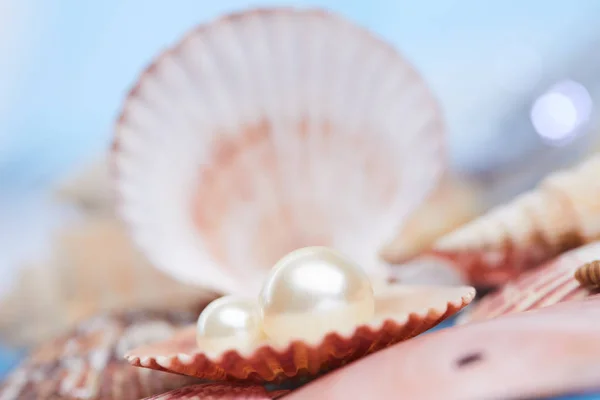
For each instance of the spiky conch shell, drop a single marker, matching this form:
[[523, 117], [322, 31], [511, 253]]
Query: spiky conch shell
[[271, 130], [551, 283], [88, 362], [401, 312], [562, 213], [220, 391]]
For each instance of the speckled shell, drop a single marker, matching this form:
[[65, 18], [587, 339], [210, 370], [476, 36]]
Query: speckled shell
[[539, 354], [219, 391], [88, 362], [551, 283], [561, 214], [401, 313], [588, 275]]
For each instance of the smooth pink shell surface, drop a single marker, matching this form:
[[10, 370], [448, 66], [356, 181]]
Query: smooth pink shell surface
[[540, 353]]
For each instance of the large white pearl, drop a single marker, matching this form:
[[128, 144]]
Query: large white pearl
[[228, 322], [314, 291]]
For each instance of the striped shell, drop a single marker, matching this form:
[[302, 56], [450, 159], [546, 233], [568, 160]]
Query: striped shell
[[88, 362], [400, 313], [551, 283], [562, 213], [588, 275]]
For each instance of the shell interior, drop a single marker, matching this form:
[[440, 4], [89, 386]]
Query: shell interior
[[401, 313]]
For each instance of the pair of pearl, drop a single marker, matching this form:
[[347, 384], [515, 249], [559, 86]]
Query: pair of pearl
[[308, 293]]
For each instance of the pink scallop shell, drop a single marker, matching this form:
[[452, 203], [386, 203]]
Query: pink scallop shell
[[536, 354], [269, 130], [401, 314], [551, 283]]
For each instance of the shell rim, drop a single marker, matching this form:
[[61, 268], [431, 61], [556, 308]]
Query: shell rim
[[438, 314]]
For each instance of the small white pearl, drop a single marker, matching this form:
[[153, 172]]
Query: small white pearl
[[228, 322], [312, 292]]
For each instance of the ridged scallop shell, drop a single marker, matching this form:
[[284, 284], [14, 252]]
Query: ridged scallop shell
[[551, 283], [562, 213], [539, 354], [88, 362], [400, 313], [220, 391], [271, 130]]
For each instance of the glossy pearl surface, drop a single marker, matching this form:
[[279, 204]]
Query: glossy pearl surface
[[314, 291], [228, 322]]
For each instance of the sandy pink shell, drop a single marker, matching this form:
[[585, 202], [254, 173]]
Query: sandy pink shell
[[537, 354], [88, 362], [181, 355], [219, 391], [562, 213], [247, 125], [551, 283]]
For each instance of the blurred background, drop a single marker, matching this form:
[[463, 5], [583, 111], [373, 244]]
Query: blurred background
[[518, 83]]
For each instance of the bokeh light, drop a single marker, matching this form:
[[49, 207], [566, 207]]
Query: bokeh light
[[559, 114]]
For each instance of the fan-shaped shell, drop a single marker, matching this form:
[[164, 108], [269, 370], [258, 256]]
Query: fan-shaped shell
[[551, 283], [561, 214], [534, 355], [88, 362], [271, 130], [400, 313]]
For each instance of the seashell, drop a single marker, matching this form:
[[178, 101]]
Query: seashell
[[401, 312], [560, 214], [534, 355], [88, 361], [551, 283], [93, 268], [261, 133], [454, 203], [91, 189], [588, 275], [220, 391]]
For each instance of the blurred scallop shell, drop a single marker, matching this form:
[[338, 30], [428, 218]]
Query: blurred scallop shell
[[90, 189], [400, 313], [551, 283], [539, 354], [454, 203], [268, 131], [94, 268], [562, 213], [220, 391], [87, 363]]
